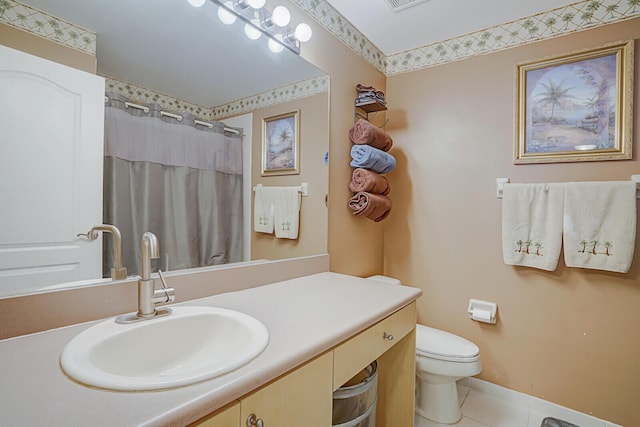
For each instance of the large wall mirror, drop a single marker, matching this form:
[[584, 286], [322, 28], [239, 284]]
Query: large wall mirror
[[170, 48]]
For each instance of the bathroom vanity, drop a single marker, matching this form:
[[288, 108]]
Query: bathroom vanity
[[323, 329]]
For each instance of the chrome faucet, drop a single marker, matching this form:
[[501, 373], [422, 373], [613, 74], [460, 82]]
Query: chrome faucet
[[148, 296], [118, 271]]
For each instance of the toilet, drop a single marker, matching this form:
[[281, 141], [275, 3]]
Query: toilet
[[442, 359]]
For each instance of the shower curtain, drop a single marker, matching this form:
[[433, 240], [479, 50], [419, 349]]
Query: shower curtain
[[179, 180]]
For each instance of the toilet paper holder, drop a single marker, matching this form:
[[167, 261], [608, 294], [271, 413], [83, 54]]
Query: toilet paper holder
[[482, 311]]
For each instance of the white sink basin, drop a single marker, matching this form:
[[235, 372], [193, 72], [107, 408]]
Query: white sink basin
[[190, 345]]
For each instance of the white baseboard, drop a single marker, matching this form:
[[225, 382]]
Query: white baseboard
[[535, 405]]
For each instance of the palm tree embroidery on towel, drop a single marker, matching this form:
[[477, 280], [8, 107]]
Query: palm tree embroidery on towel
[[528, 247], [593, 244]]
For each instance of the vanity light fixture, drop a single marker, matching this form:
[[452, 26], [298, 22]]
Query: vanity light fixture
[[251, 30], [196, 3], [259, 20], [303, 32], [225, 15], [275, 44], [256, 4], [280, 17]]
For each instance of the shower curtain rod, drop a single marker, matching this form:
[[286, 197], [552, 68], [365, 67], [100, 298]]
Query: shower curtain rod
[[210, 125], [178, 117]]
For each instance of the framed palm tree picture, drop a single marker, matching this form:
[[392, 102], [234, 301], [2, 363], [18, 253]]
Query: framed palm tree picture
[[575, 107], [281, 144]]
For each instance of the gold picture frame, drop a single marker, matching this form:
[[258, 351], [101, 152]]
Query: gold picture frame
[[575, 107], [281, 144]]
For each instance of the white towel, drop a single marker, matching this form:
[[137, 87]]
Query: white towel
[[600, 225], [286, 216], [263, 208], [532, 225]]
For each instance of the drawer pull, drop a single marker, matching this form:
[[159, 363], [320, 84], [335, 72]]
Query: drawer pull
[[386, 336], [253, 421]]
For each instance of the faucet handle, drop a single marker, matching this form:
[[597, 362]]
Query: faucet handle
[[165, 294]]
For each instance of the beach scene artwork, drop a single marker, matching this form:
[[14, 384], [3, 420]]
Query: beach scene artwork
[[572, 106], [280, 144]]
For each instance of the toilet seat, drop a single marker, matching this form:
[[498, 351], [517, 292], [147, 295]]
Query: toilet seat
[[442, 345]]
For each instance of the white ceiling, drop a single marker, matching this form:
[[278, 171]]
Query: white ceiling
[[433, 20]]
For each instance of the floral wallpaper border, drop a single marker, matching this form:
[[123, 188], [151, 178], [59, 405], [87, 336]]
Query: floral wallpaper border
[[275, 96], [552, 23], [575, 17], [148, 96], [44, 25], [339, 26], [279, 95]]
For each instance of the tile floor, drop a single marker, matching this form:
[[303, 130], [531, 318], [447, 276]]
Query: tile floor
[[487, 405]]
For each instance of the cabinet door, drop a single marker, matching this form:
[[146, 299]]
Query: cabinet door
[[301, 398], [229, 416]]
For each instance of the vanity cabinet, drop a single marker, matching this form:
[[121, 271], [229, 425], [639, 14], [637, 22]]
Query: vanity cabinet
[[301, 397], [304, 396], [228, 416]]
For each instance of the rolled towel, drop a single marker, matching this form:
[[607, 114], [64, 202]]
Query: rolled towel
[[364, 132], [369, 181], [364, 88], [368, 157], [376, 207]]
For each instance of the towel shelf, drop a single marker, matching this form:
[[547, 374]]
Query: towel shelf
[[364, 109], [303, 188], [500, 182]]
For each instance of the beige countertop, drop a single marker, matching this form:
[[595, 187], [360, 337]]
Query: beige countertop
[[305, 317]]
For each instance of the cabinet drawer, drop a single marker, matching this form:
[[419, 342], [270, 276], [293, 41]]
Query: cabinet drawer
[[356, 353]]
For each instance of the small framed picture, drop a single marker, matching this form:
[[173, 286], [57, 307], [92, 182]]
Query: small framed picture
[[281, 144], [575, 107]]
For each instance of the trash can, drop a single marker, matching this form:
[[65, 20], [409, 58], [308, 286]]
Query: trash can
[[354, 404]]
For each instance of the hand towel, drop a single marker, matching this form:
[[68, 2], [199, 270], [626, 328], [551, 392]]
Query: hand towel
[[286, 215], [600, 225], [363, 132], [263, 207], [368, 157], [532, 225], [369, 181], [376, 207]]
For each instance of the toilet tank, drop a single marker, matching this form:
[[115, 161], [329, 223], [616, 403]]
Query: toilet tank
[[385, 279]]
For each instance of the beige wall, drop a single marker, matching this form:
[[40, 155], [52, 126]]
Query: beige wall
[[314, 133], [571, 336], [35, 45], [355, 244]]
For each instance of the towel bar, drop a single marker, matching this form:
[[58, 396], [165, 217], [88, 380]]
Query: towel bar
[[500, 182], [303, 188]]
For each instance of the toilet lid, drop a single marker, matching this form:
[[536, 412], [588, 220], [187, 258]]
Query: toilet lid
[[442, 345]]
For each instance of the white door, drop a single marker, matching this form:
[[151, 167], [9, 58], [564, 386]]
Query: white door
[[51, 149]]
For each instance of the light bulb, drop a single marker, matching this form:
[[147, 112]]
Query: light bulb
[[256, 4], [303, 32], [281, 16], [275, 46], [252, 32], [196, 3], [225, 16]]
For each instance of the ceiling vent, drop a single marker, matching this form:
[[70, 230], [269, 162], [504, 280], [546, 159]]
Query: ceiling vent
[[398, 5]]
